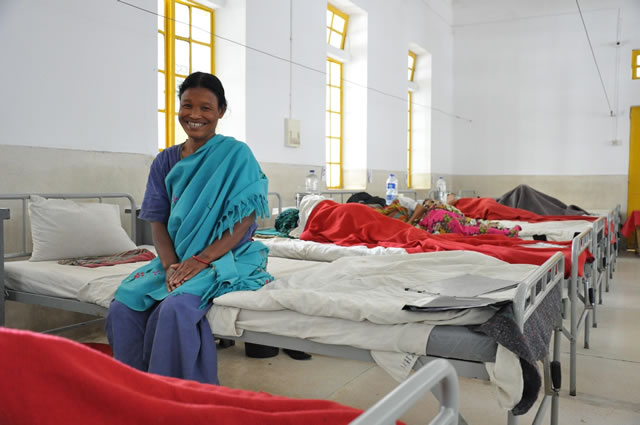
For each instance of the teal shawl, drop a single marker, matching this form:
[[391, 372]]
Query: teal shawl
[[210, 191]]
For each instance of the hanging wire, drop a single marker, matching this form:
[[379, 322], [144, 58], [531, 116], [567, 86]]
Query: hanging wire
[[292, 62], [594, 58]]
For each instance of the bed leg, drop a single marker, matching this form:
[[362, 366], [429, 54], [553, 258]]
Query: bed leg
[[587, 328], [573, 298], [512, 419]]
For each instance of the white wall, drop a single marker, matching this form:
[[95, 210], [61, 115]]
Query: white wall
[[78, 74], [82, 76], [526, 77]]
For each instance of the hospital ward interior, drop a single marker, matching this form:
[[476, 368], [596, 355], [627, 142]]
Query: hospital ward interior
[[357, 212]]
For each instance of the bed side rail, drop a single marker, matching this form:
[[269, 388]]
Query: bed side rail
[[343, 193], [435, 375], [24, 198], [535, 287]]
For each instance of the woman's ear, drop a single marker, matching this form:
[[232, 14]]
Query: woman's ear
[[221, 111]]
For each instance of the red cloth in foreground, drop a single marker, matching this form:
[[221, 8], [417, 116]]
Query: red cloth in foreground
[[630, 225], [489, 209], [355, 224], [50, 380]]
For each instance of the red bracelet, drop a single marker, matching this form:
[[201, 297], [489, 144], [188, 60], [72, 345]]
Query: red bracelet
[[200, 260]]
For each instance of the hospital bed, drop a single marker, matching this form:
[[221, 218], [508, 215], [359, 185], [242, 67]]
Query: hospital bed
[[532, 293]]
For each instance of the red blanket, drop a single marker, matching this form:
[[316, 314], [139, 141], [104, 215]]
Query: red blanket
[[54, 381], [355, 224], [489, 209], [630, 225]]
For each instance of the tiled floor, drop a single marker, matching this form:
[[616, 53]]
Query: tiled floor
[[608, 374]]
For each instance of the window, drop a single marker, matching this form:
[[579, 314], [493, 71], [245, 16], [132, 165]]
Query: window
[[336, 34], [635, 64], [412, 69], [185, 45]]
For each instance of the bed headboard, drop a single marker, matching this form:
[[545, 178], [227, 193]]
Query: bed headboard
[[24, 198]]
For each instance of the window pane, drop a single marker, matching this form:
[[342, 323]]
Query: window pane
[[334, 175], [328, 35], [327, 150], [410, 63], [328, 72], [335, 40], [327, 128], [335, 99], [162, 136], [182, 20], [638, 60], [336, 74], [329, 17], [201, 25], [181, 136], [179, 81], [160, 51], [637, 72], [335, 150], [161, 91], [182, 57], [338, 23], [161, 15], [409, 75], [201, 59], [335, 125], [328, 97]]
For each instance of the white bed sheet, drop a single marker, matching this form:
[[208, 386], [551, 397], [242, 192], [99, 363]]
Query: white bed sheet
[[51, 278], [554, 230], [314, 251]]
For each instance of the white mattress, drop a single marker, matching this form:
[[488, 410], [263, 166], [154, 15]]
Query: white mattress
[[51, 278]]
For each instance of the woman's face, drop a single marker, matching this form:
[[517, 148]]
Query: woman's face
[[199, 113]]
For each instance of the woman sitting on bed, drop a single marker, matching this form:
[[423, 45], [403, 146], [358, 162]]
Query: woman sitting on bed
[[202, 199], [438, 217]]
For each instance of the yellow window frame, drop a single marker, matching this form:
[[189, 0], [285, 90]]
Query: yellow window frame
[[168, 32], [635, 64], [411, 73], [332, 30], [331, 137]]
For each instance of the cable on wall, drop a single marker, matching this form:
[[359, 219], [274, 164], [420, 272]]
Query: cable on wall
[[301, 65], [594, 58]]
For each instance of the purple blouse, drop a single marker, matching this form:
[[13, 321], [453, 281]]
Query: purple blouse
[[156, 205]]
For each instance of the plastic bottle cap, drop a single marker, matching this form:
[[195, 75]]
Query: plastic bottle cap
[[391, 175], [312, 171]]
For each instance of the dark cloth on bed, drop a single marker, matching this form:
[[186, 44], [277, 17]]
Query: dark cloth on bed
[[527, 198], [530, 346], [132, 256], [367, 199], [355, 224], [287, 221], [490, 209], [55, 381]]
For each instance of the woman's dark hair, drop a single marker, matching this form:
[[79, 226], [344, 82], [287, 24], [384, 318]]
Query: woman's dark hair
[[207, 81]]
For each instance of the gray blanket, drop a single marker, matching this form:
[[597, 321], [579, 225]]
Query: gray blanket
[[527, 198], [530, 346]]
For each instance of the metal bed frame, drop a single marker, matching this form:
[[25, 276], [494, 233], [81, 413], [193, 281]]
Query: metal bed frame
[[529, 296]]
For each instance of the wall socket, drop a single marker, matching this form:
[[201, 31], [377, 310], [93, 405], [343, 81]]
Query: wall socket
[[616, 142], [291, 133]]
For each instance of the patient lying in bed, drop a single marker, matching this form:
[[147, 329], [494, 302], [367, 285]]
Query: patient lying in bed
[[438, 217]]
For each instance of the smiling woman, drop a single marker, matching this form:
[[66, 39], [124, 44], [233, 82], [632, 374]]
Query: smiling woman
[[202, 199]]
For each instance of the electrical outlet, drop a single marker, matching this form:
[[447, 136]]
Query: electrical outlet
[[291, 133], [616, 142]]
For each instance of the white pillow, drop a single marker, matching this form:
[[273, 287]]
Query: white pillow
[[63, 229]]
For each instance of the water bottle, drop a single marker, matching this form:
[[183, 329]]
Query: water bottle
[[441, 187], [392, 189], [311, 182]]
